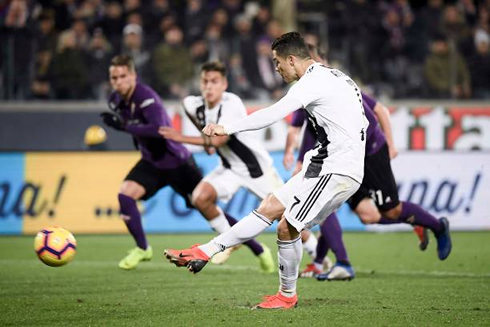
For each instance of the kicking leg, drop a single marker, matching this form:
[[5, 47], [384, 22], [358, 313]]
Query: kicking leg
[[204, 198], [247, 228]]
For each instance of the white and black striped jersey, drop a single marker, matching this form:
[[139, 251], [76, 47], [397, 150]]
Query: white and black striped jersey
[[334, 106], [243, 153]]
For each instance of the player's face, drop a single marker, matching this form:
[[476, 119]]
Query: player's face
[[284, 67], [213, 84], [123, 80]]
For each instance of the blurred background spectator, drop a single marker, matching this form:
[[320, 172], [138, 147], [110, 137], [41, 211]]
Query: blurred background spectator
[[60, 49], [443, 80]]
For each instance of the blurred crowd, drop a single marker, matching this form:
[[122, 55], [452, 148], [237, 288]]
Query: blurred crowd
[[61, 49]]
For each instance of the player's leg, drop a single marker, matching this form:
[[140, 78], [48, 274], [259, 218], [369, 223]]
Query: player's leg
[[141, 183], [380, 185], [247, 228], [320, 261], [129, 193], [307, 203], [411, 213], [260, 250], [204, 199], [223, 184], [380, 180], [332, 232], [312, 269], [310, 243]]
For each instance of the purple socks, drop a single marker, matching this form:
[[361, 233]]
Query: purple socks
[[254, 246], [132, 219], [332, 238], [321, 250], [415, 215]]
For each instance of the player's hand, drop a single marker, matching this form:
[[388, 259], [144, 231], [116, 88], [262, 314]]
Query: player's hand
[[393, 151], [113, 120], [288, 160], [213, 130], [298, 167], [170, 134], [210, 150]]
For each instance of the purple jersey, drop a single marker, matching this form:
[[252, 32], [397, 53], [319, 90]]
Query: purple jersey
[[375, 138], [144, 114]]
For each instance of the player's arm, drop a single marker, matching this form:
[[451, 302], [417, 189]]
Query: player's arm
[[383, 115], [154, 117], [291, 142], [292, 137], [257, 120], [205, 141], [308, 143]]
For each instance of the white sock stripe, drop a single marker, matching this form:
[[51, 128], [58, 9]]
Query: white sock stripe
[[261, 217], [281, 242]]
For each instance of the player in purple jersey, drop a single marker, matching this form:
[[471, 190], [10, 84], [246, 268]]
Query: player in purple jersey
[[379, 186], [138, 110]]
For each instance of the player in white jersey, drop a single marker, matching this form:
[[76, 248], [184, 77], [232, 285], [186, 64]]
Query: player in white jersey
[[332, 172], [244, 160]]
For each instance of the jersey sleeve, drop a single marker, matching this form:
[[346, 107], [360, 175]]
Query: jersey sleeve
[[265, 117]]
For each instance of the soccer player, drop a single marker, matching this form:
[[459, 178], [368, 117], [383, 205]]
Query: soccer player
[[139, 111], [376, 202], [244, 160], [332, 172]]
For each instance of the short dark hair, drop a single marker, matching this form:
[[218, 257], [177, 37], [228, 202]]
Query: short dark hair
[[291, 43], [214, 66], [123, 60]]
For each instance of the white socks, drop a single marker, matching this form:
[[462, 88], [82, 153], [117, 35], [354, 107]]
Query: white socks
[[246, 229], [220, 224], [310, 246], [290, 253]]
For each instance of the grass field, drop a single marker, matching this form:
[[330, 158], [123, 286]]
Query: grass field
[[396, 284]]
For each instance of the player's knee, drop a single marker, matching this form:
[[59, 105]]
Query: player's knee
[[271, 208], [201, 199], [132, 189], [369, 218], [305, 235], [285, 231], [393, 213]]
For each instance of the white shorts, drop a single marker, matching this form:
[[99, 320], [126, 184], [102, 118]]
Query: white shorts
[[308, 201], [226, 182]]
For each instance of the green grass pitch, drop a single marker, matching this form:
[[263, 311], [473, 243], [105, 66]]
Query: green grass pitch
[[396, 284]]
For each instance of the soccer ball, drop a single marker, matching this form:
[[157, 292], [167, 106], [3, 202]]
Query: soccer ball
[[55, 246]]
